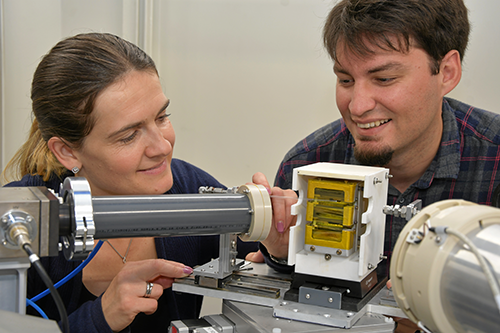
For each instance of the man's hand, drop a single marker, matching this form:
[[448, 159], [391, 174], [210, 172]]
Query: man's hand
[[404, 325], [255, 257]]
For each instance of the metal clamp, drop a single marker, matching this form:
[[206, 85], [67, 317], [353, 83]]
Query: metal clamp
[[76, 192], [406, 212], [211, 189]]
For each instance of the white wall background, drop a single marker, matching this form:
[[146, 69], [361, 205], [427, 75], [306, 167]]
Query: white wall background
[[247, 78]]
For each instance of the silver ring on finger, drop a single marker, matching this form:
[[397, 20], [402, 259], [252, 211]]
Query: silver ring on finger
[[149, 289]]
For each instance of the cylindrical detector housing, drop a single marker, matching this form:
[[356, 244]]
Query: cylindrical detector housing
[[439, 281], [247, 212]]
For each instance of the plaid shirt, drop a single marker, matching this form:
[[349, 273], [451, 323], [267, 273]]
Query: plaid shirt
[[466, 165]]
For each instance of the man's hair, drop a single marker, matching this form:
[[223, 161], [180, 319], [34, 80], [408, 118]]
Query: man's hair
[[436, 26]]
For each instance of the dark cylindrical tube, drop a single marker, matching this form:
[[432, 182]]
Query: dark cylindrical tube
[[171, 215], [65, 227]]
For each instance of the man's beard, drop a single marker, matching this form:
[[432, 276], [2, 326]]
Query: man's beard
[[373, 158]]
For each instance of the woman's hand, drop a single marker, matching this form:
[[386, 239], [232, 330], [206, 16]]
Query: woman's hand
[[126, 295], [276, 242]]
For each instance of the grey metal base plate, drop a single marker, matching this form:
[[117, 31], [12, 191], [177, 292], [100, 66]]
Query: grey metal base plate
[[251, 318], [274, 309], [18, 323]]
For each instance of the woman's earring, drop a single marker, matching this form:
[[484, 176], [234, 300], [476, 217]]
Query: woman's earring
[[75, 170]]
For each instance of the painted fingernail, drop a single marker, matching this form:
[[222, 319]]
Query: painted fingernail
[[187, 270], [280, 226]]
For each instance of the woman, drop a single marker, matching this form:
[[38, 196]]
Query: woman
[[99, 111]]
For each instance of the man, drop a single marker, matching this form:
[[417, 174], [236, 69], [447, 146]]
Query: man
[[395, 60]]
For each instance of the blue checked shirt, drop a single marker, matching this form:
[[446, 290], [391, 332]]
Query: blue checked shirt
[[466, 165]]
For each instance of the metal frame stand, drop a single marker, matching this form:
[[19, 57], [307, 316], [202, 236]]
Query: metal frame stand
[[13, 284]]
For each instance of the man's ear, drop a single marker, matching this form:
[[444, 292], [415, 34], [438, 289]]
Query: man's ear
[[451, 71], [64, 153]]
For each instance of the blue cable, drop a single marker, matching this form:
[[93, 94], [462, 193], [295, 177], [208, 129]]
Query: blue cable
[[36, 307], [70, 275]]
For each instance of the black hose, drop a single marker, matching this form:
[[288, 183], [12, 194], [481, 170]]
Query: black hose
[[35, 260]]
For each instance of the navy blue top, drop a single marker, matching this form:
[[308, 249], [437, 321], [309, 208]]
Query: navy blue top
[[189, 250]]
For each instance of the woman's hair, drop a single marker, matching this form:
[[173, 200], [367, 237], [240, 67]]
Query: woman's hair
[[65, 86], [436, 26]]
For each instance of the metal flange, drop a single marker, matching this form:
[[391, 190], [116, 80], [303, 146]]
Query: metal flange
[[75, 191]]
